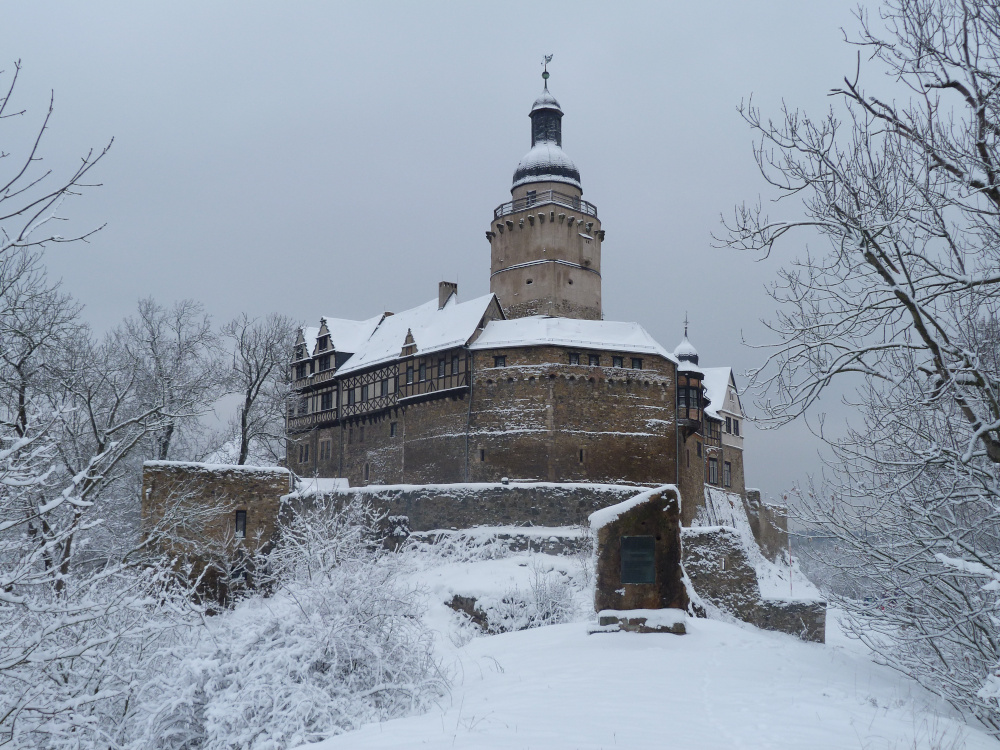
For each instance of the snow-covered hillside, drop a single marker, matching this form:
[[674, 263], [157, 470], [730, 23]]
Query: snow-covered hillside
[[720, 686]]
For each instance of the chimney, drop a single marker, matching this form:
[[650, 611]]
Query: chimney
[[445, 290]]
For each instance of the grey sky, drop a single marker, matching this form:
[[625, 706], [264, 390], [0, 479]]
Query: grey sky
[[342, 158]]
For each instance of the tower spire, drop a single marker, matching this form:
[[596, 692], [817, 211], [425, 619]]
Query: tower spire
[[545, 70], [685, 324]]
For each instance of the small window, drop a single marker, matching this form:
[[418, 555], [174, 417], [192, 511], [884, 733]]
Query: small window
[[409, 374], [617, 362], [713, 471], [500, 361], [350, 397], [454, 365], [636, 363], [581, 455], [698, 449], [241, 524], [530, 198], [594, 360], [364, 393], [326, 401], [392, 429], [736, 427], [423, 371], [482, 455], [574, 358], [729, 425], [301, 371], [687, 454], [727, 474], [441, 367], [324, 362], [384, 387], [530, 281], [324, 450], [366, 472]]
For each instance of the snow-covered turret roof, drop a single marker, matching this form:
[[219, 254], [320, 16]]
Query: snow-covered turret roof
[[545, 101], [433, 328], [539, 330], [546, 162], [716, 382], [686, 351]]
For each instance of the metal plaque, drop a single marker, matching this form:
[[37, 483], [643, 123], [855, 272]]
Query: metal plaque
[[638, 559]]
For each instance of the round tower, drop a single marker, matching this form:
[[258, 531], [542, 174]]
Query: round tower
[[545, 243]]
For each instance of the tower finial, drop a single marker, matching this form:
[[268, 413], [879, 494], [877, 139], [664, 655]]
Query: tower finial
[[685, 324], [545, 70]]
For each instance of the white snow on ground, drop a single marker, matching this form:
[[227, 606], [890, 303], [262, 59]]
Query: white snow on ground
[[720, 686]]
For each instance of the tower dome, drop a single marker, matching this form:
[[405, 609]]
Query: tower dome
[[685, 351], [546, 161]]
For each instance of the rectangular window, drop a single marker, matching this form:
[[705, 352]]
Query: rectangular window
[[482, 455], [594, 360], [454, 365], [384, 387], [423, 371], [392, 429], [409, 374], [326, 401], [324, 450], [324, 343], [638, 563], [736, 427], [441, 367], [636, 363], [617, 361], [581, 455], [698, 449], [303, 406], [350, 397], [500, 361], [324, 362], [713, 471], [574, 358], [364, 393], [241, 524], [727, 474], [530, 197], [305, 454], [729, 425], [300, 371]]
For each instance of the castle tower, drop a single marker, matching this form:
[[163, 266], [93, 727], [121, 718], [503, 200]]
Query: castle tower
[[545, 244]]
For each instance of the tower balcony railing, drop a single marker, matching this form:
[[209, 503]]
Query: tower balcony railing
[[545, 197]]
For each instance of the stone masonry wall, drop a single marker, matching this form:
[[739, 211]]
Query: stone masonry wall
[[463, 506], [721, 574], [769, 524]]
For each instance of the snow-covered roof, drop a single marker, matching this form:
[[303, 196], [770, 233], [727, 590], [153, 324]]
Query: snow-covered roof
[[591, 334], [546, 161], [433, 330], [545, 100], [716, 382], [350, 335], [685, 349]]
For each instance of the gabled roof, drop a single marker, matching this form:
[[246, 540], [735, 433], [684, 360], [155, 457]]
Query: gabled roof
[[590, 334], [307, 335], [433, 330], [717, 381], [348, 335]]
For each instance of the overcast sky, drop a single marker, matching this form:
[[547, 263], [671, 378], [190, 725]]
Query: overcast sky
[[320, 158]]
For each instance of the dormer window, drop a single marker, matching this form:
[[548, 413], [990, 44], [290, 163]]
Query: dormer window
[[323, 344]]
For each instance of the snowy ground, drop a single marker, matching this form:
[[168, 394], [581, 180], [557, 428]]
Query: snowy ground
[[720, 686]]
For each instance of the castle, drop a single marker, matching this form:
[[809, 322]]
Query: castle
[[528, 382]]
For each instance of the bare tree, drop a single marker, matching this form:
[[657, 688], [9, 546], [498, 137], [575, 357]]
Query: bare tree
[[259, 375], [902, 307]]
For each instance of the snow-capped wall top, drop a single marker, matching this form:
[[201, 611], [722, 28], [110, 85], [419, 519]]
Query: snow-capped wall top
[[539, 330], [601, 518], [716, 382], [214, 468], [546, 162], [434, 329]]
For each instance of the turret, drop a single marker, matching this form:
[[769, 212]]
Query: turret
[[545, 244], [690, 385]]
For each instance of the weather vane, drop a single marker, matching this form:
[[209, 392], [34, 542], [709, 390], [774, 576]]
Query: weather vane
[[545, 70]]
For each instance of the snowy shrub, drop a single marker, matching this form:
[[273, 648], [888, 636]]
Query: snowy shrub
[[548, 600], [339, 643]]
